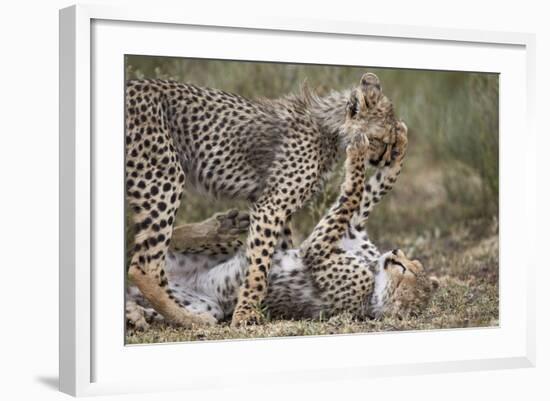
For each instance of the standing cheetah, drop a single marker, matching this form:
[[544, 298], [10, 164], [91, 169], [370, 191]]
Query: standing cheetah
[[337, 269], [275, 153]]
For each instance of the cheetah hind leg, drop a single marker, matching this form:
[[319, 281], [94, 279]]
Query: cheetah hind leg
[[139, 316], [217, 235], [153, 219], [198, 247]]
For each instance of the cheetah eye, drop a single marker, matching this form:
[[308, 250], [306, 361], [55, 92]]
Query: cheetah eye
[[353, 104], [353, 109], [395, 262]]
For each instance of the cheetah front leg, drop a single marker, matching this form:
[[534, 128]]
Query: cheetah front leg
[[266, 226], [382, 181], [338, 275], [286, 241], [326, 236]]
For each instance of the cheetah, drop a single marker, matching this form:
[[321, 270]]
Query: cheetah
[[274, 153], [337, 269]]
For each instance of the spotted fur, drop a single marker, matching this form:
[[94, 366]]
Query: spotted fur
[[337, 269], [274, 153]]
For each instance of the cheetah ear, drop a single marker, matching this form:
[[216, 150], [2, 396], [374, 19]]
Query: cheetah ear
[[370, 85], [307, 93], [434, 282]]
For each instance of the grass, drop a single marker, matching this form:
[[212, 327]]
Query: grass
[[443, 210], [465, 260]]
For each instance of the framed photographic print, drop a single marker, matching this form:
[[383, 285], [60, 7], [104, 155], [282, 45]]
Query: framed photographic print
[[219, 177]]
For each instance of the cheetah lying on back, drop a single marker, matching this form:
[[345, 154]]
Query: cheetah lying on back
[[275, 153], [337, 269]]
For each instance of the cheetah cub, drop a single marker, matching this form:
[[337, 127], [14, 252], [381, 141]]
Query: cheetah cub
[[274, 153], [337, 269]]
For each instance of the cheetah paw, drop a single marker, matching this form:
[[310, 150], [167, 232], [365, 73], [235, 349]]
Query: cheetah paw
[[232, 223], [401, 142], [243, 318], [135, 317], [358, 146], [205, 319]]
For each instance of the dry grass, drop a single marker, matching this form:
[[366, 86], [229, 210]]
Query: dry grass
[[443, 210], [465, 260]]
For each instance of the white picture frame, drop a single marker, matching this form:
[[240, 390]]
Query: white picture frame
[[93, 357]]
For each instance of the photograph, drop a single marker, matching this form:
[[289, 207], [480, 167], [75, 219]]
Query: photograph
[[275, 200], [278, 200], [270, 199]]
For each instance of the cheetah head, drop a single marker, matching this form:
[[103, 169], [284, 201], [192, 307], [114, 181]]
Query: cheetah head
[[369, 110], [401, 286]]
